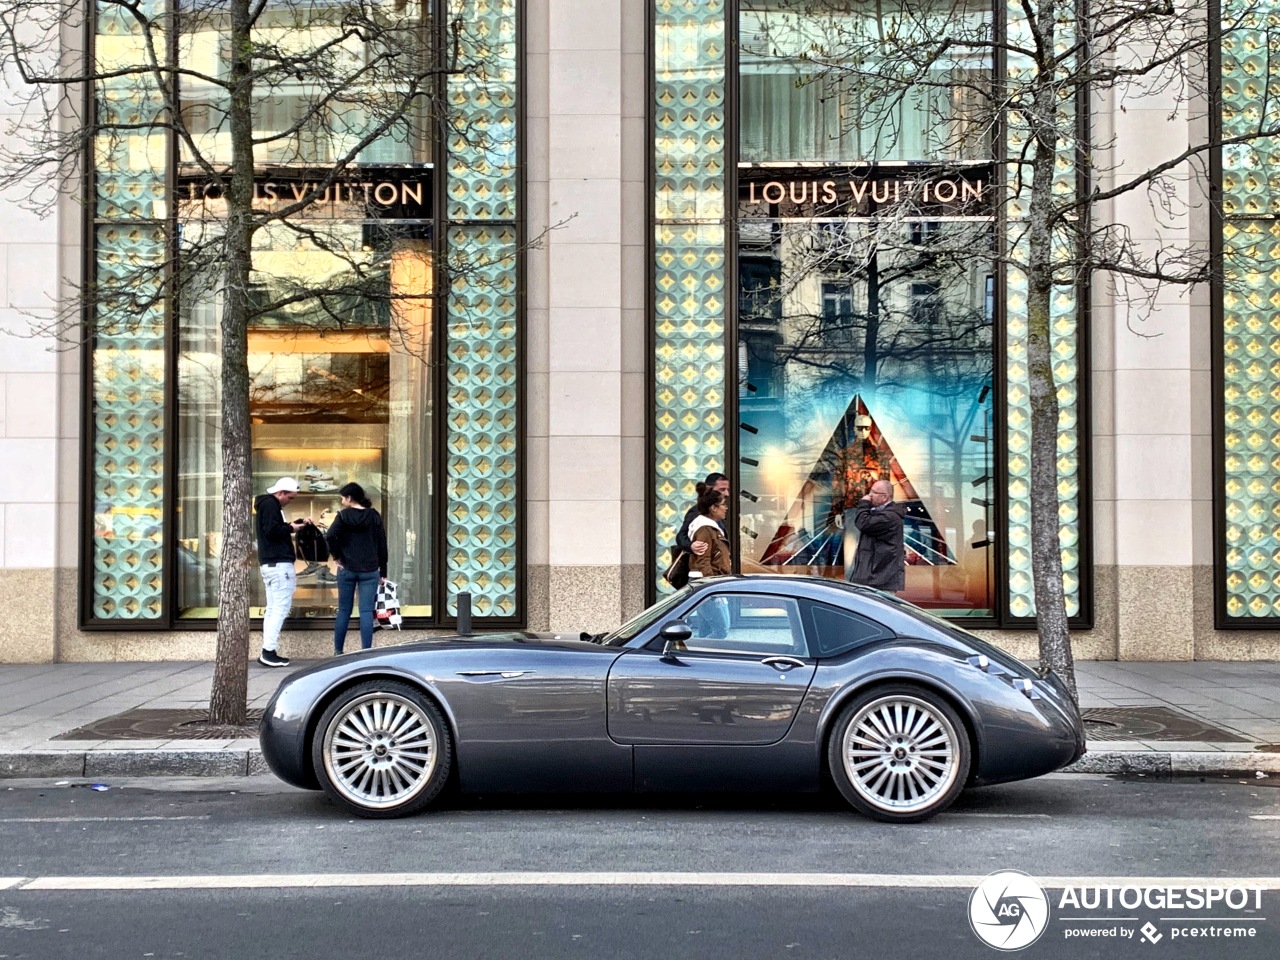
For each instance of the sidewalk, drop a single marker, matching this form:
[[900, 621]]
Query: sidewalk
[[1226, 711]]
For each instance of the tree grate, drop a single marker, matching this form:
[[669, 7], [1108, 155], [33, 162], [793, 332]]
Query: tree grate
[[1152, 723], [152, 724]]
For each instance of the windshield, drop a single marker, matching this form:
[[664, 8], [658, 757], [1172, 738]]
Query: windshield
[[643, 619]]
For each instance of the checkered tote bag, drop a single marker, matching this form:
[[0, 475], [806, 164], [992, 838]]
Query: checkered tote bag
[[386, 609]]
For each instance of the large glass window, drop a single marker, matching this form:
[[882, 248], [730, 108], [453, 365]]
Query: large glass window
[[874, 362], [340, 391], [812, 85], [340, 348], [865, 319], [333, 90]]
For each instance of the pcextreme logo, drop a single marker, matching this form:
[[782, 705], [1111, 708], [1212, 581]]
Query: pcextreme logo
[[1009, 910]]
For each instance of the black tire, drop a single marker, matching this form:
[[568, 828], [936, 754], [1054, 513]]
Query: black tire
[[382, 749], [912, 753]]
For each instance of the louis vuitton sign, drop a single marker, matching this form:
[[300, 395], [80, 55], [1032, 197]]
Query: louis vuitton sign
[[383, 192], [863, 191]]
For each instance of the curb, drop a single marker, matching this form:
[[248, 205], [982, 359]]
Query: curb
[[1178, 763], [101, 764]]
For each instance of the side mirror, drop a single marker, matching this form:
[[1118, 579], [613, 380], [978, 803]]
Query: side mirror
[[674, 636]]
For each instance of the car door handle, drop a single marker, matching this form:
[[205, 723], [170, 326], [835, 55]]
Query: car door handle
[[782, 663]]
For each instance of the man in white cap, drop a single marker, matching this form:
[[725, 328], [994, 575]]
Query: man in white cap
[[276, 556]]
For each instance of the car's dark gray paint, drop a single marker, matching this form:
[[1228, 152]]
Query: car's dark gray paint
[[531, 712], [703, 698]]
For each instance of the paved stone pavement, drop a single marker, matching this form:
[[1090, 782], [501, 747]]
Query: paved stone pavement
[[41, 701]]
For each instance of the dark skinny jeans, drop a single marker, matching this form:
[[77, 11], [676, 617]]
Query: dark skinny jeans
[[348, 581]]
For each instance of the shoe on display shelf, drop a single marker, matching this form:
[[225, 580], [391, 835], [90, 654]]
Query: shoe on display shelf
[[321, 486]]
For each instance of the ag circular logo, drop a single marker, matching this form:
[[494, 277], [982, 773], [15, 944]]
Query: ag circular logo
[[1009, 910]]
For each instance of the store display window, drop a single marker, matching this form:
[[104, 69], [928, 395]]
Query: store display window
[[340, 389], [866, 314]]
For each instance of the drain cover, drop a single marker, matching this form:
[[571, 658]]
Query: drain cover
[[1151, 723], [144, 724]]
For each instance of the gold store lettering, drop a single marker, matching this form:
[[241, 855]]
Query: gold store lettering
[[385, 193], [879, 191]]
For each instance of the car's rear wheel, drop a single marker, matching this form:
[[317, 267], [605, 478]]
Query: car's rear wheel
[[899, 753], [382, 749]]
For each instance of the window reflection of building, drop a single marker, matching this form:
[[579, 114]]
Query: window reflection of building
[[877, 363], [794, 109], [865, 342], [297, 118]]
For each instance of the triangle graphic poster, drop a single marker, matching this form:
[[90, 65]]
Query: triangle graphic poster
[[849, 464]]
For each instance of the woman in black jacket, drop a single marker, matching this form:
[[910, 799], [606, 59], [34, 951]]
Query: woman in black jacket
[[358, 541]]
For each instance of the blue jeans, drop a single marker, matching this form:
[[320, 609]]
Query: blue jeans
[[348, 581]]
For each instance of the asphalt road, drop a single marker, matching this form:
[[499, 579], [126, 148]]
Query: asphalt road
[[249, 868]]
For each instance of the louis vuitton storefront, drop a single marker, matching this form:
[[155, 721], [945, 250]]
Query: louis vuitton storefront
[[875, 331], [383, 340], [634, 244]]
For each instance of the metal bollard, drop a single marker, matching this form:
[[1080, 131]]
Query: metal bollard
[[464, 614]]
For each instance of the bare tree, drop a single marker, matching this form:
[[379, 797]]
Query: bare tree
[[944, 80], [232, 87]]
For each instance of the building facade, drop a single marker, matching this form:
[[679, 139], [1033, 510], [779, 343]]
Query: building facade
[[646, 240]]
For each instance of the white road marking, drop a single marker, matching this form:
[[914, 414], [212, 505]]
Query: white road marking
[[1264, 816], [93, 819], [8, 883], [618, 879]]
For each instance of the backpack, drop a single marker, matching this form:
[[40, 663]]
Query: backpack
[[310, 545]]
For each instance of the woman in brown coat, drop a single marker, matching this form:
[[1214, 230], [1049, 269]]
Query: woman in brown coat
[[706, 528]]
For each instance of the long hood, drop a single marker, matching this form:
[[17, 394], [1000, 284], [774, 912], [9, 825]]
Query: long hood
[[434, 653]]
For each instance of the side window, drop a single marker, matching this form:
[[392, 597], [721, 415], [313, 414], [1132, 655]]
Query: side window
[[747, 623], [837, 631]]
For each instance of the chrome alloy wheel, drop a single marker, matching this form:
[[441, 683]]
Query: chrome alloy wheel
[[380, 750], [900, 754]]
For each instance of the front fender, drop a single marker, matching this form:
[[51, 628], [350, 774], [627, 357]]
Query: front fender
[[293, 712]]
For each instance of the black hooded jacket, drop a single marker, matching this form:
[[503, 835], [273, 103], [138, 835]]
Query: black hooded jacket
[[275, 535], [358, 540]]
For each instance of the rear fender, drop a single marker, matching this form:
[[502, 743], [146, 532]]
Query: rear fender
[[891, 675]]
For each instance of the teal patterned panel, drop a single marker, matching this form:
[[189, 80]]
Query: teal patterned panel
[[482, 432], [128, 336], [689, 253], [1251, 311], [1067, 368], [482, 333], [483, 107]]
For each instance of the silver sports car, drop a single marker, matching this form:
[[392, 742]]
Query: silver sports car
[[759, 683]]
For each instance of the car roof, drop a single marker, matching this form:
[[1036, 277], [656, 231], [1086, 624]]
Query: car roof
[[812, 588]]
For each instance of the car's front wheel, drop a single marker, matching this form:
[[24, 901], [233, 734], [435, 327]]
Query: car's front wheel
[[382, 749], [899, 753]]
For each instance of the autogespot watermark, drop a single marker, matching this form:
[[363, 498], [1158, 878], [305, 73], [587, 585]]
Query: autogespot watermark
[[1011, 910]]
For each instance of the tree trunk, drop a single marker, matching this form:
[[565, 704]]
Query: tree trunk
[[228, 701], [1046, 549]]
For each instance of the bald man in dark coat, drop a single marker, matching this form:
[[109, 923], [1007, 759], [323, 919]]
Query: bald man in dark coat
[[880, 557]]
